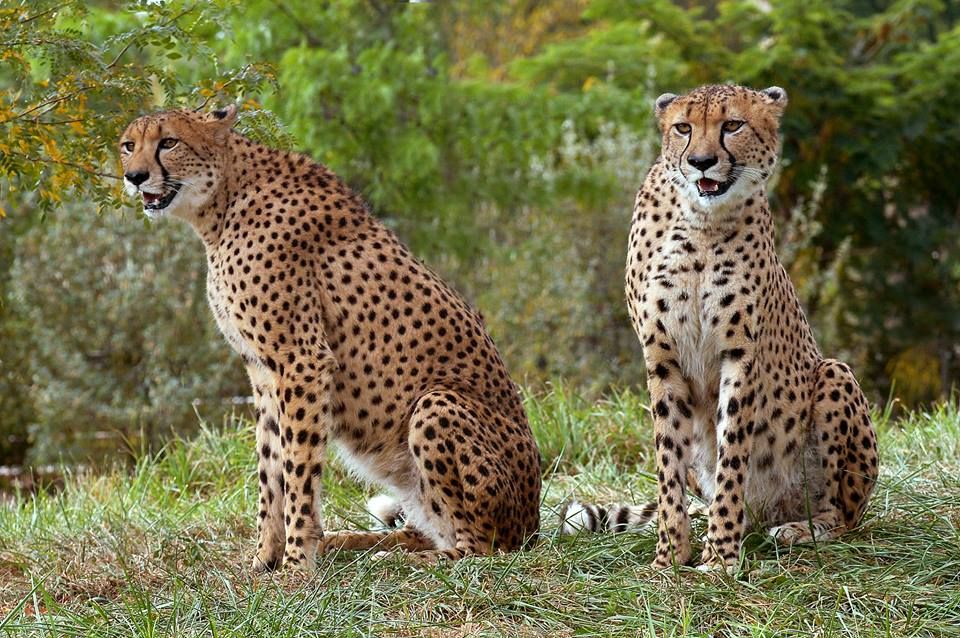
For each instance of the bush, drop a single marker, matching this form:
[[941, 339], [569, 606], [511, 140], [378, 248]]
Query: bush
[[120, 340]]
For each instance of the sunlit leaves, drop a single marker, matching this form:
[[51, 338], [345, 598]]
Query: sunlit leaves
[[74, 74]]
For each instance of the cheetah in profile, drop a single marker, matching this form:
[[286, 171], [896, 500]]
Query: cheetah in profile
[[348, 340], [748, 415]]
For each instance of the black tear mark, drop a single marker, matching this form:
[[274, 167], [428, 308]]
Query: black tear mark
[[733, 160], [682, 153], [163, 170]]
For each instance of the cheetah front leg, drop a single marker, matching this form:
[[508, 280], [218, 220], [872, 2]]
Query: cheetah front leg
[[304, 387], [270, 532], [735, 424], [673, 429]]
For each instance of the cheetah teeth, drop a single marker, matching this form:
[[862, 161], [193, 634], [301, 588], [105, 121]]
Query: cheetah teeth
[[707, 185]]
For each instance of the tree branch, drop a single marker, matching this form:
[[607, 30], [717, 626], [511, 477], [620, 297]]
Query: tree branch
[[236, 76], [48, 160], [119, 55], [51, 102], [131, 42], [43, 13]]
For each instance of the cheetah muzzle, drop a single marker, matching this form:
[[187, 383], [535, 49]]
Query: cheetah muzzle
[[349, 341]]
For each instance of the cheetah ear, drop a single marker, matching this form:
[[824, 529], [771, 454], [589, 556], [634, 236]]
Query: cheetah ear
[[662, 102], [776, 97], [223, 119]]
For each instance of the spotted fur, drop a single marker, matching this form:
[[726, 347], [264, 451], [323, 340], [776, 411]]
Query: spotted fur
[[348, 340], [768, 430]]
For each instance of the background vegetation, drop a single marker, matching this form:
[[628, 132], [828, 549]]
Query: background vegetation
[[503, 141]]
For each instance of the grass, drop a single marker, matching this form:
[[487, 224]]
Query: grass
[[163, 551]]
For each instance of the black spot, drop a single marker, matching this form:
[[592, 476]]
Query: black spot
[[662, 409], [733, 406], [734, 354]]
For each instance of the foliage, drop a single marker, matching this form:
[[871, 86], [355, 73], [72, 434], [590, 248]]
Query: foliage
[[121, 342]]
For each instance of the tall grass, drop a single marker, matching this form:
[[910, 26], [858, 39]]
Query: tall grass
[[163, 551]]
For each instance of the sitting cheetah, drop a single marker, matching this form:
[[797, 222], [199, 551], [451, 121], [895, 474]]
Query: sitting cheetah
[[349, 340], [747, 413]]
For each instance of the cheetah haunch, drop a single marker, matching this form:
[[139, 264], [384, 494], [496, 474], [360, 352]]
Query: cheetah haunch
[[747, 413], [347, 339]]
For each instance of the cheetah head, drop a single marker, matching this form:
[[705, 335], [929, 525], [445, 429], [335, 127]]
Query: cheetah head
[[720, 143], [174, 160]]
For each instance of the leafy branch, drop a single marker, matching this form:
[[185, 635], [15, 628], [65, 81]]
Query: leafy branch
[[50, 160]]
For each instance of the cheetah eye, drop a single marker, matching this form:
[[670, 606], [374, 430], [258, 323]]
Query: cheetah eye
[[683, 128], [732, 126], [127, 146], [168, 143]]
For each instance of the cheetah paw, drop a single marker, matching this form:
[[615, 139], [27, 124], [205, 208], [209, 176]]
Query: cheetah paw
[[264, 564], [789, 534], [383, 554], [712, 561], [708, 568]]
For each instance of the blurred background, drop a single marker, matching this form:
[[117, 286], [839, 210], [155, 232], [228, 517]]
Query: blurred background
[[503, 141]]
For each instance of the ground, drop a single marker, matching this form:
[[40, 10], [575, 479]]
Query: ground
[[163, 551]]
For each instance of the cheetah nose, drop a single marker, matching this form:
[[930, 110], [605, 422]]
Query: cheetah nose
[[137, 177], [702, 162]]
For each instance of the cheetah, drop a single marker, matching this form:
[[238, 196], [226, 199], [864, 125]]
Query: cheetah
[[748, 415], [348, 340]]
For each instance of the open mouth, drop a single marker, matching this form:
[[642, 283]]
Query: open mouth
[[155, 201], [712, 188]]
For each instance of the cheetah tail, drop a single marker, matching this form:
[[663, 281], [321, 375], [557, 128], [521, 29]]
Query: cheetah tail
[[577, 517], [386, 510]]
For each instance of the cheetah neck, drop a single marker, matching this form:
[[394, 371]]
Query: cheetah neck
[[247, 168]]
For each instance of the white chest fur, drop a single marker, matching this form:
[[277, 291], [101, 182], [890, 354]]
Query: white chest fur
[[687, 318], [687, 321]]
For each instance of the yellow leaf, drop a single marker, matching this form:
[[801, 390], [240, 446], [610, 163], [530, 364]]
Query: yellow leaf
[[51, 147]]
